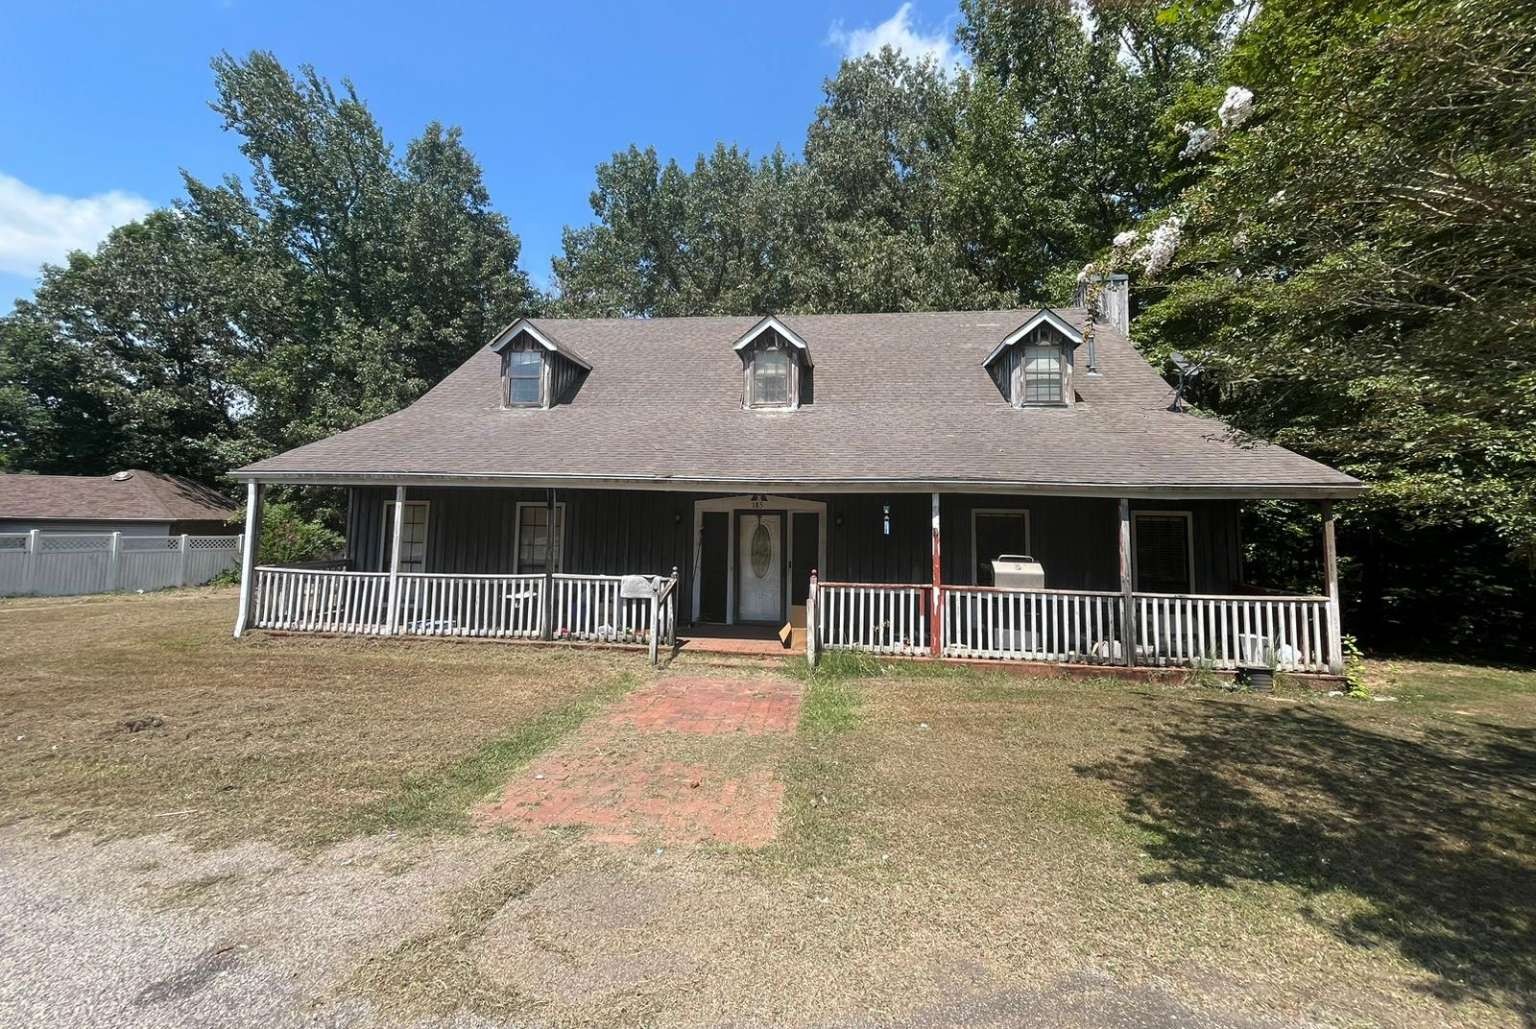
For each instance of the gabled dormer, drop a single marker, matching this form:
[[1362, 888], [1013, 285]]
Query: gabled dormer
[[777, 367], [536, 369], [1032, 366]]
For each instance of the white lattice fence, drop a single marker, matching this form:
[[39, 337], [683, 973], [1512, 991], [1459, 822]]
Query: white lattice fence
[[58, 564]]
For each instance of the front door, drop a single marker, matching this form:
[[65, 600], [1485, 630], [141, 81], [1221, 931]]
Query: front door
[[760, 566]]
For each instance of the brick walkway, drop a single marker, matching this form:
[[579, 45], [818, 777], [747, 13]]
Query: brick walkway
[[622, 775]]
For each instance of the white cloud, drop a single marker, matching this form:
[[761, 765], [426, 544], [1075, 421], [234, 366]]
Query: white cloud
[[36, 227], [898, 33]]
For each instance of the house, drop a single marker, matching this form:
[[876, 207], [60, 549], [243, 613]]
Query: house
[[62, 535], [132, 502], [854, 474]]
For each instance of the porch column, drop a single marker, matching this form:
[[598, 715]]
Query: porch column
[[547, 605], [1127, 599], [1331, 571], [392, 620], [254, 492], [936, 642]]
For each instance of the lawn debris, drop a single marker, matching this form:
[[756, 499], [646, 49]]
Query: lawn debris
[[141, 723]]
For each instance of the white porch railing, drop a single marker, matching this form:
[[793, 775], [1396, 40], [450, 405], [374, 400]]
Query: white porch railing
[[565, 607], [470, 605], [1288, 633], [879, 618], [589, 607], [1032, 625], [304, 600]]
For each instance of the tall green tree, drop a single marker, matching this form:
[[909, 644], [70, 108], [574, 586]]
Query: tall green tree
[[1062, 137], [331, 283], [714, 240], [123, 358], [365, 278], [1355, 264]]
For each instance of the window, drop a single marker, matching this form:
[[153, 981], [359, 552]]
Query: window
[[1164, 545], [535, 554], [771, 373], [413, 536], [993, 534], [525, 378], [1041, 374]]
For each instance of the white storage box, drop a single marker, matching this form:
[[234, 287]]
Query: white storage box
[[1018, 572]]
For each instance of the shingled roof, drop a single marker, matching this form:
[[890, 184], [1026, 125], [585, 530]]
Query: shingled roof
[[130, 496], [901, 401]]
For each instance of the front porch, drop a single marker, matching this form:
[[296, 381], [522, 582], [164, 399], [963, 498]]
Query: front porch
[[1134, 582]]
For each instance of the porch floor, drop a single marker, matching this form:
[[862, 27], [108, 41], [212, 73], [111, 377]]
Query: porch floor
[[737, 639]]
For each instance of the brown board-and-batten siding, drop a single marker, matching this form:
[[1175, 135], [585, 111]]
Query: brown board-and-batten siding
[[474, 530]]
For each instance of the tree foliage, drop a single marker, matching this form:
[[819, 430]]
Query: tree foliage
[[1357, 264], [331, 284]]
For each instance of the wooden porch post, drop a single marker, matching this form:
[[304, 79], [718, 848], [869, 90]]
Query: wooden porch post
[[248, 554], [1127, 599], [936, 644], [547, 608], [810, 621], [392, 621], [1331, 571]]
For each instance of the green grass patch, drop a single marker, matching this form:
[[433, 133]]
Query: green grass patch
[[441, 800], [852, 664]]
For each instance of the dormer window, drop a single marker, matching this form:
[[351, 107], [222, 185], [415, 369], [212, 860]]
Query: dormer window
[[1043, 372], [536, 370], [525, 378], [1032, 367], [770, 371], [777, 363]]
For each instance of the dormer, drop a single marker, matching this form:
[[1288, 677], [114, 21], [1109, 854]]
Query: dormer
[[536, 369], [776, 364], [1032, 366]]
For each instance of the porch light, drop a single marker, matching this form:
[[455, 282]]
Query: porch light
[[885, 519]]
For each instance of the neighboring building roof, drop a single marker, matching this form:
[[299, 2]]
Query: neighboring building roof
[[901, 401], [130, 496]]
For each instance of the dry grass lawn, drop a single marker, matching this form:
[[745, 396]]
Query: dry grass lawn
[[955, 848]]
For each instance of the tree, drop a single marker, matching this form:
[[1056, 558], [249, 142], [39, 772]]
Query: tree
[[1355, 266], [331, 285], [122, 359], [668, 242], [1062, 135], [364, 279]]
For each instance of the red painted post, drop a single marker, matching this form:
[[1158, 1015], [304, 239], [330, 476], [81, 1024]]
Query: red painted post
[[936, 643]]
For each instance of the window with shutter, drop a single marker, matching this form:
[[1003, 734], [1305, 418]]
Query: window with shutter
[[1163, 552]]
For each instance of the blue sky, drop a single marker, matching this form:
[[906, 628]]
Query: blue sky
[[101, 104]]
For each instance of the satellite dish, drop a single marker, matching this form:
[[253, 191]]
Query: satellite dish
[[1188, 371], [121, 476]]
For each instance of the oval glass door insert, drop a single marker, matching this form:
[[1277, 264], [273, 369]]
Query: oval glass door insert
[[762, 550]]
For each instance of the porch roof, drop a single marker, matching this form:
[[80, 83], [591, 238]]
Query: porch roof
[[898, 402]]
